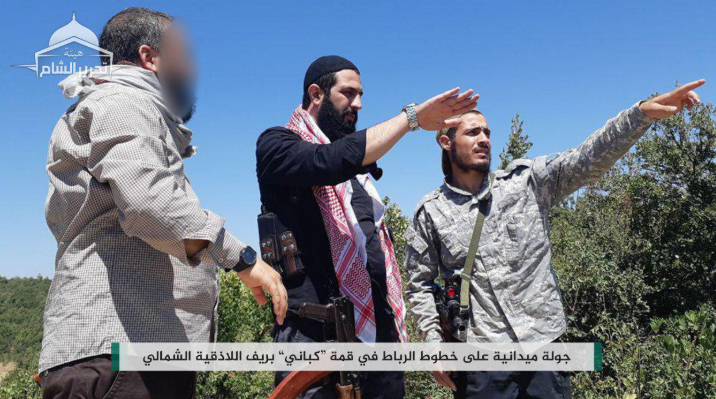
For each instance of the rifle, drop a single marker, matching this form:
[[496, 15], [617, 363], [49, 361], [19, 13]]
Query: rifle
[[453, 318], [339, 326]]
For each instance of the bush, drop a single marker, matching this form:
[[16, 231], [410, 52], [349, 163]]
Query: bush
[[240, 320], [20, 384]]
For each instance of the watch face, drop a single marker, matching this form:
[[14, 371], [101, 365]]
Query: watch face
[[248, 256]]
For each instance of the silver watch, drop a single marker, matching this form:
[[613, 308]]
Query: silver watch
[[411, 111]]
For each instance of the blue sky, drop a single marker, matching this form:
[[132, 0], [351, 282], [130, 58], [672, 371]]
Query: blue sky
[[566, 67]]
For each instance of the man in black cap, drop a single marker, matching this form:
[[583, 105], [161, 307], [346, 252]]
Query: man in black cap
[[313, 176]]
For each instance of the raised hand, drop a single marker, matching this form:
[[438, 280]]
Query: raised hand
[[439, 112], [262, 277], [668, 104]]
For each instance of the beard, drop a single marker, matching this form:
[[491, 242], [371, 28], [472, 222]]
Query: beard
[[464, 164], [180, 96], [332, 122]]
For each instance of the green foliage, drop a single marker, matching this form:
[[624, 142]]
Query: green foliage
[[684, 362], [422, 385], [20, 385], [518, 143], [398, 224], [241, 319], [22, 301], [634, 252], [674, 197]]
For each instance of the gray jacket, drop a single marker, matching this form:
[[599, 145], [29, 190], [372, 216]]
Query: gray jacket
[[514, 294], [120, 207]]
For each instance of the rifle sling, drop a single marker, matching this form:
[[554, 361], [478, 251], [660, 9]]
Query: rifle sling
[[466, 274]]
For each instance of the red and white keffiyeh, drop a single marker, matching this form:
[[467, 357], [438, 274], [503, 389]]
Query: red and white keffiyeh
[[348, 246]]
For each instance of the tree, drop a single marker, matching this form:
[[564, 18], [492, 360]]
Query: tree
[[635, 254], [517, 143]]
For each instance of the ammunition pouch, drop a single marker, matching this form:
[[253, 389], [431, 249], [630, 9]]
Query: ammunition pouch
[[278, 247]]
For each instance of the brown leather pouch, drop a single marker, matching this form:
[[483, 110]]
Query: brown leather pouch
[[278, 247]]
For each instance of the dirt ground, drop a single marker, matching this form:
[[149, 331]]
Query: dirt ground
[[5, 369]]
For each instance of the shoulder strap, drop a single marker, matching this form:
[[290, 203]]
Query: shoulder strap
[[472, 252]]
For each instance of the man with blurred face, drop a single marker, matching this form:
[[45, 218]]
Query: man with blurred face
[[137, 257], [314, 176], [513, 290]]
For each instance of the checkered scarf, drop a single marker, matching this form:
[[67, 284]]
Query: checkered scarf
[[348, 243]]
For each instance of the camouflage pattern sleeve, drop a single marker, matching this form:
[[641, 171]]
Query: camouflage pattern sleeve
[[559, 176], [422, 264]]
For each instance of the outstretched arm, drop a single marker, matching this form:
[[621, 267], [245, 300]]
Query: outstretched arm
[[284, 158], [559, 176], [434, 114]]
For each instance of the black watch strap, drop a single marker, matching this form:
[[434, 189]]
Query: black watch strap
[[247, 259]]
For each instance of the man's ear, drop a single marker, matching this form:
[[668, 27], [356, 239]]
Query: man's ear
[[445, 142], [315, 94], [148, 58]]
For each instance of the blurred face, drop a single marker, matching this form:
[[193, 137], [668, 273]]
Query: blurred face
[[176, 71], [338, 114], [470, 149]]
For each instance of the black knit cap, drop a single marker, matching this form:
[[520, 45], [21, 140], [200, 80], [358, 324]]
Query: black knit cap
[[324, 66]]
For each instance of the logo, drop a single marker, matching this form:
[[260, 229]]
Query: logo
[[72, 48]]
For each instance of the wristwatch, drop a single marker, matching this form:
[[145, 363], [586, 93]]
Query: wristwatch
[[411, 111], [247, 258]]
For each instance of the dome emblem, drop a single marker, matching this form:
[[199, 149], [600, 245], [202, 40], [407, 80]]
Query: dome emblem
[[72, 48], [73, 30]]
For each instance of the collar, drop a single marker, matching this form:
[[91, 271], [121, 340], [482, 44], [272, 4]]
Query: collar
[[484, 193], [85, 82]]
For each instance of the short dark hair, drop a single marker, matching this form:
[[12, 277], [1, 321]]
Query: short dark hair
[[445, 161], [325, 82], [451, 132], [131, 28]]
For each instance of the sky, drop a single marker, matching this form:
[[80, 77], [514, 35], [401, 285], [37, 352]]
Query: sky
[[565, 67]]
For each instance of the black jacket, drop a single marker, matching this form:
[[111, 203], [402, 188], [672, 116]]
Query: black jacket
[[287, 168]]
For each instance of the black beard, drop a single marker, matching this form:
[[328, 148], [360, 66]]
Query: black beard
[[332, 122], [466, 166]]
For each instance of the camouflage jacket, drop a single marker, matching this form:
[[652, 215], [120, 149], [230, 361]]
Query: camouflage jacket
[[514, 294]]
